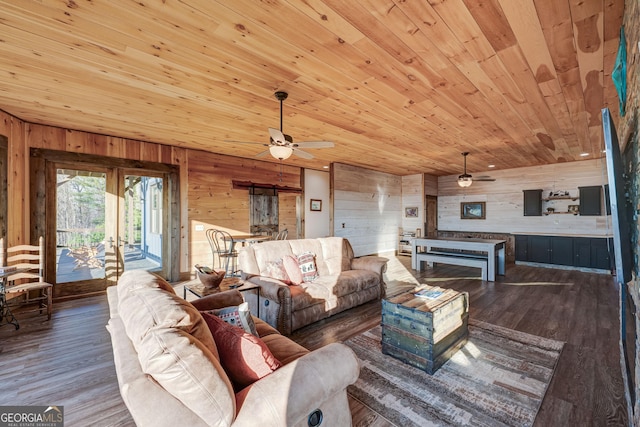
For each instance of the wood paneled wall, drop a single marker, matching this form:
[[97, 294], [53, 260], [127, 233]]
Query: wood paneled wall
[[214, 203], [207, 196], [430, 185], [413, 196], [368, 204], [505, 202]]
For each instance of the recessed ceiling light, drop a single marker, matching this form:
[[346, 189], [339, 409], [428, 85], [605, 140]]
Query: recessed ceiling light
[[584, 154], [325, 167], [491, 166]]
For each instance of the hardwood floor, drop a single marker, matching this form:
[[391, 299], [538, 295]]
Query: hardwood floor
[[69, 362]]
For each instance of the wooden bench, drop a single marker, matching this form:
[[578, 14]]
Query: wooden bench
[[468, 260], [460, 254]]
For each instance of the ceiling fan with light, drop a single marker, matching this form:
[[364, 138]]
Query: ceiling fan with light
[[281, 145], [465, 179]]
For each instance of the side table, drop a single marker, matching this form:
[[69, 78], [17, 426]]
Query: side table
[[198, 289]]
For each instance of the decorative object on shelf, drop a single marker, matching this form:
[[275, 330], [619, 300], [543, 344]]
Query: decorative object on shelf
[[209, 278], [411, 212], [315, 205], [550, 210], [574, 209], [472, 210]]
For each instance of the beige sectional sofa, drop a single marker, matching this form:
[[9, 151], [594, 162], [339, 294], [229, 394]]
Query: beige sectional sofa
[[343, 281], [170, 373]]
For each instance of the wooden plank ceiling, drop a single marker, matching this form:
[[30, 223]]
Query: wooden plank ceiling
[[400, 86]]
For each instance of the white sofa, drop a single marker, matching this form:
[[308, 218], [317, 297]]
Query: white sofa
[[169, 375]]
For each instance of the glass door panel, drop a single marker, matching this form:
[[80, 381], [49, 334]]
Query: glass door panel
[[80, 225], [142, 223]]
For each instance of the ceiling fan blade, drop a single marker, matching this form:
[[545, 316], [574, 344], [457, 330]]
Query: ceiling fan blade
[[484, 178], [277, 136], [302, 154], [263, 153], [314, 144]]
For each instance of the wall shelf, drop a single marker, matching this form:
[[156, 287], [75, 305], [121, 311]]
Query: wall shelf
[[550, 199], [560, 213]]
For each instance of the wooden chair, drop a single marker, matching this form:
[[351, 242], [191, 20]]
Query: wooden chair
[[223, 249], [282, 235], [31, 258]]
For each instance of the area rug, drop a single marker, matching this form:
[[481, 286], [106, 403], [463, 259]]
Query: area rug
[[498, 378]]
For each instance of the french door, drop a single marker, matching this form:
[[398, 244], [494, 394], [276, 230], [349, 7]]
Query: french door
[[108, 220]]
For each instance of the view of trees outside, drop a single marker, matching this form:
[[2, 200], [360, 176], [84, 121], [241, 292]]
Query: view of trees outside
[[80, 209], [81, 215]]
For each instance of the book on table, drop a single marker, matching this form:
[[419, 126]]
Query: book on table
[[429, 293]]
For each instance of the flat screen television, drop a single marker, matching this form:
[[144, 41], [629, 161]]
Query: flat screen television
[[619, 207], [620, 215]]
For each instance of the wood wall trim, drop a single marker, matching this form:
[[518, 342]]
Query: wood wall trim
[[238, 185], [72, 157]]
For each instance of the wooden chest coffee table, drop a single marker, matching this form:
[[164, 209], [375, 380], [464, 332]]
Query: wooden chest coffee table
[[425, 332]]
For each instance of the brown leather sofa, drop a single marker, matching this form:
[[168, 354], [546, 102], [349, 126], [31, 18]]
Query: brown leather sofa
[[169, 375], [343, 281]]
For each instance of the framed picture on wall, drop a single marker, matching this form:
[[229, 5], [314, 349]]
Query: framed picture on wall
[[472, 210], [411, 212], [316, 205]]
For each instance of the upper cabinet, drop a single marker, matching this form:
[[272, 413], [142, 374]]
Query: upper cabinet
[[591, 200], [532, 202]]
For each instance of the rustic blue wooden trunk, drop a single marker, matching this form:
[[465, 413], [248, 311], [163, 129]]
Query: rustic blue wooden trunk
[[425, 333]]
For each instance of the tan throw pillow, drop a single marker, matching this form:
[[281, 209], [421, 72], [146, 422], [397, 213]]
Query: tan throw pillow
[[239, 316], [244, 357], [293, 269], [307, 264], [275, 270]]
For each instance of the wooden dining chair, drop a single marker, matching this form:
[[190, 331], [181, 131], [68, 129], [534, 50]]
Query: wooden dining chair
[[29, 261], [223, 250], [282, 235]]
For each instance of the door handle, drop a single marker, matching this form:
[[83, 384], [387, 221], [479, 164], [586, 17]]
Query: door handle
[[110, 242]]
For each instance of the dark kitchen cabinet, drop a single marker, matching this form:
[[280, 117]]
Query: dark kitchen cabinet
[[602, 253], [521, 248], [584, 252], [539, 249], [532, 202], [590, 200], [561, 250]]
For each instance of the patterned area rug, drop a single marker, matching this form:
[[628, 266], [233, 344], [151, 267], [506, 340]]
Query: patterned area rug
[[498, 378]]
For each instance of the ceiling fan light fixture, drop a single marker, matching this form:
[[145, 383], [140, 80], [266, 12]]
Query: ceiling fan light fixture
[[464, 180], [281, 152]]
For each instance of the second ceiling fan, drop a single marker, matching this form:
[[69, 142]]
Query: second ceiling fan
[[465, 179], [281, 145]]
